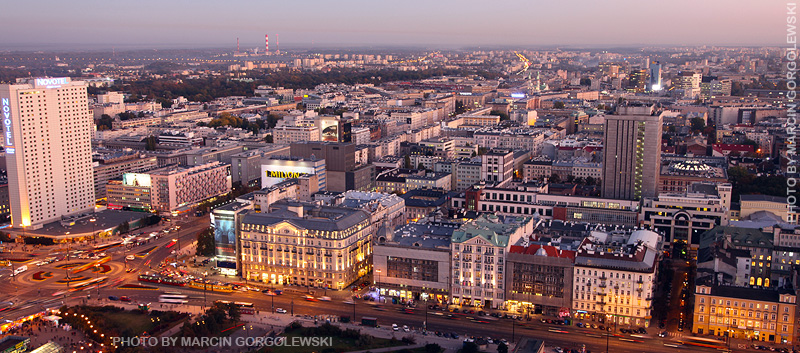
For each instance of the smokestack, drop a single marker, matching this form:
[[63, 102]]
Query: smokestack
[[237, 45], [277, 44], [266, 40]]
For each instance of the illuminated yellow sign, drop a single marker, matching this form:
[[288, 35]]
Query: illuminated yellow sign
[[281, 174]]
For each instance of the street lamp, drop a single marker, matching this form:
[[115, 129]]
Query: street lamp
[[92, 220], [378, 284], [204, 288]]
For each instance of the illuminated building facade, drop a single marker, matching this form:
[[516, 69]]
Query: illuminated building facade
[[759, 314], [169, 189], [539, 279], [306, 244], [47, 129], [614, 277], [478, 251]]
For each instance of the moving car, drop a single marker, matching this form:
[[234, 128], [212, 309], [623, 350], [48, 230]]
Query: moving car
[[395, 327]]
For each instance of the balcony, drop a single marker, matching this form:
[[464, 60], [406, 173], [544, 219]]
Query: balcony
[[602, 285], [602, 293], [640, 281], [603, 278]]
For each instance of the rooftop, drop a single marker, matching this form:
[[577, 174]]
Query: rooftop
[[496, 229]]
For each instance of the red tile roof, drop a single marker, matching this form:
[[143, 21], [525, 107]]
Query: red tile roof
[[550, 250]]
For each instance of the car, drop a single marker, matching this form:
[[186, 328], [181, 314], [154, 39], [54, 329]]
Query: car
[[111, 297], [406, 329], [280, 311], [662, 334], [642, 330], [130, 257], [395, 327], [325, 299], [504, 341], [558, 350], [124, 298], [310, 298]]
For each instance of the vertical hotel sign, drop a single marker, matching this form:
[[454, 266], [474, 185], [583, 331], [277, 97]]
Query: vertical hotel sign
[[8, 137]]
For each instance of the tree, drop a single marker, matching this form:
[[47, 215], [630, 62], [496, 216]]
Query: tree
[[269, 139], [460, 108], [205, 242], [590, 181], [150, 143], [272, 120], [420, 166], [433, 348], [482, 150], [502, 348], [470, 347], [407, 161], [233, 312], [124, 227], [126, 116], [554, 179], [503, 116], [698, 124], [559, 105], [105, 122], [153, 220]]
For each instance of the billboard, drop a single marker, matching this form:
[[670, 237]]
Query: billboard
[[277, 170], [329, 130], [136, 179], [224, 235]]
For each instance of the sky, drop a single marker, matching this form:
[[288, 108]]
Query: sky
[[316, 23]]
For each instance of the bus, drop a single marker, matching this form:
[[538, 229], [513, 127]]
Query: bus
[[107, 246], [244, 308], [19, 270], [702, 342], [154, 278], [172, 299], [87, 283]]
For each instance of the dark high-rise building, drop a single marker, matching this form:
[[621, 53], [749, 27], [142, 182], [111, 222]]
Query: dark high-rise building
[[638, 80], [631, 156], [340, 160]]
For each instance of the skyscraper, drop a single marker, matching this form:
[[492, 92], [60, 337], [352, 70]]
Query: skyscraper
[[655, 76], [47, 137], [631, 156]]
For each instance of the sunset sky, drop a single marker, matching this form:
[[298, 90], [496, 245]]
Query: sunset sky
[[203, 23]]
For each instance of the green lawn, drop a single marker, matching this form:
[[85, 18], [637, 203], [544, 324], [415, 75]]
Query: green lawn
[[133, 322]]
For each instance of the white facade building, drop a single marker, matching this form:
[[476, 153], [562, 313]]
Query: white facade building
[[47, 137]]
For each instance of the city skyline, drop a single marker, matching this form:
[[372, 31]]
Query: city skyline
[[443, 24]]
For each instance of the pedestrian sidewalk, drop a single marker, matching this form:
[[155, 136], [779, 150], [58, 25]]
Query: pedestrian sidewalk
[[389, 349]]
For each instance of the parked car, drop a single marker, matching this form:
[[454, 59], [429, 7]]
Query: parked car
[[280, 311], [111, 297], [124, 298], [395, 327]]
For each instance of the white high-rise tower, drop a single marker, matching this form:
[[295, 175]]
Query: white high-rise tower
[[47, 137]]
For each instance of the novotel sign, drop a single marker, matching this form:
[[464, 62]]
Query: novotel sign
[[51, 82], [7, 133]]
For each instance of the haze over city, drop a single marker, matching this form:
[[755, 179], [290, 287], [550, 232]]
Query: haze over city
[[63, 25]]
